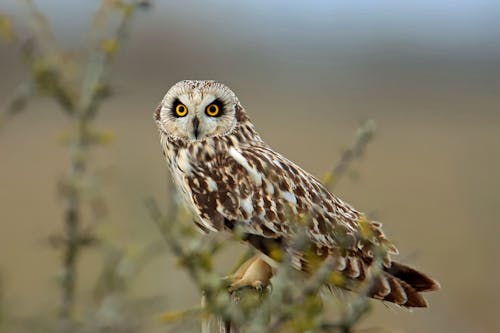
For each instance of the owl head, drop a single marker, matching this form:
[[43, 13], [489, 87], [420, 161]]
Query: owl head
[[193, 110]]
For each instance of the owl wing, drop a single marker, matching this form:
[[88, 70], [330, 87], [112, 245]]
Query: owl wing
[[266, 194]]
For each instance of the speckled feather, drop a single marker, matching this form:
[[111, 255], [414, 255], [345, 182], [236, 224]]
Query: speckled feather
[[234, 178]]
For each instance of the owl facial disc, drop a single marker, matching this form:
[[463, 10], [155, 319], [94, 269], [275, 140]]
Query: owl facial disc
[[195, 110]]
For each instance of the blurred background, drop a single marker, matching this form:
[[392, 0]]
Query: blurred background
[[427, 72]]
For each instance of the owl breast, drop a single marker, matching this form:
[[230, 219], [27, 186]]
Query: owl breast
[[186, 161]]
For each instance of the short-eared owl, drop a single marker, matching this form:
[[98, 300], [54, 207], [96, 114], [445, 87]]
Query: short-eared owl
[[229, 177]]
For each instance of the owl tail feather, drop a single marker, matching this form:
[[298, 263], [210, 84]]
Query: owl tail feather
[[398, 283], [402, 285]]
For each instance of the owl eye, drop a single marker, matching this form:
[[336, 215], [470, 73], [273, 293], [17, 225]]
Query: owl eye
[[212, 110], [181, 110]]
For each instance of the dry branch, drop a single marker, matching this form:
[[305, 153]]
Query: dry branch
[[79, 98]]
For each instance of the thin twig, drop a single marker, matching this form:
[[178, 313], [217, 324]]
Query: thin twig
[[364, 135]]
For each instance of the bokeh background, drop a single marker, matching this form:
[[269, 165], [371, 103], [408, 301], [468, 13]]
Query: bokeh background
[[427, 72]]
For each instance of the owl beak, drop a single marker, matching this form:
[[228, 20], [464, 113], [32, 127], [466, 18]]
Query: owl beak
[[196, 125]]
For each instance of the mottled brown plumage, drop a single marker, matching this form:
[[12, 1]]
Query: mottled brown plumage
[[230, 177]]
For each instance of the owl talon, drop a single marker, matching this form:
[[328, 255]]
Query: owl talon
[[259, 286], [254, 273]]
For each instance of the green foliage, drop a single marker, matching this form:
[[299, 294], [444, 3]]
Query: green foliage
[[79, 85], [6, 31]]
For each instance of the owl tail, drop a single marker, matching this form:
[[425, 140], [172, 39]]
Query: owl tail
[[397, 283], [402, 285]]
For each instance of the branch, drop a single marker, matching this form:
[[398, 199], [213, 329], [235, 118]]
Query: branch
[[94, 87], [49, 77], [364, 135]]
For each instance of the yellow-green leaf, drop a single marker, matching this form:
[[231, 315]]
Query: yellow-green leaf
[[109, 46], [104, 137], [6, 31], [365, 227]]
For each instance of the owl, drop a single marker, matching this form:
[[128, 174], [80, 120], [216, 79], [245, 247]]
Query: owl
[[234, 181]]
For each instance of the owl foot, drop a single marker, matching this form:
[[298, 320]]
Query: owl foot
[[254, 273]]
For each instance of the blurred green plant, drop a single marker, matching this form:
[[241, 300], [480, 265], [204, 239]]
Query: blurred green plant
[[293, 303], [78, 84], [114, 309]]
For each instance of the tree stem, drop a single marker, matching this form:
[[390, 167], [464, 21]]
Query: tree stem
[[72, 225]]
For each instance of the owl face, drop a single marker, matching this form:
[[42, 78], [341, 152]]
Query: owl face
[[195, 110]]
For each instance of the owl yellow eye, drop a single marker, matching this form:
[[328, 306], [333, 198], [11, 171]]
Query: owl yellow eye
[[181, 110], [212, 110]]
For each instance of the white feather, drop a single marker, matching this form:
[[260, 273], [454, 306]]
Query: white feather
[[183, 161], [290, 197], [212, 185], [246, 204], [270, 188], [241, 160]]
